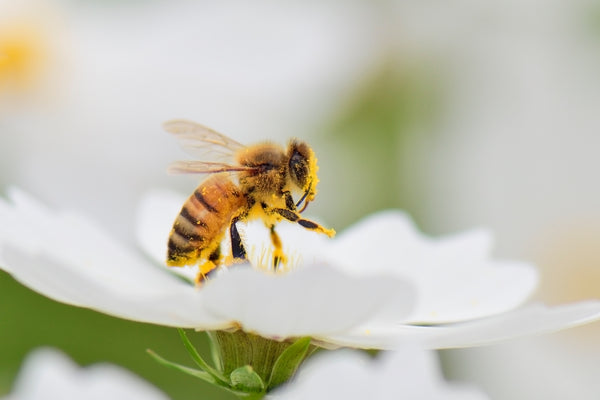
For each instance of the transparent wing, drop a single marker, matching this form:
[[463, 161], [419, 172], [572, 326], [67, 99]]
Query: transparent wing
[[201, 141], [205, 167]]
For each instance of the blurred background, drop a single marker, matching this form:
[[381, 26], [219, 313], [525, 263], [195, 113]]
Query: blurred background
[[469, 113]]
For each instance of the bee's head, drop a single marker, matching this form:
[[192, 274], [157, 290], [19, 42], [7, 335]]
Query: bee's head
[[302, 167]]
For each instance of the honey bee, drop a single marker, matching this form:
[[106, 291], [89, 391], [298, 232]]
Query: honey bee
[[257, 182]]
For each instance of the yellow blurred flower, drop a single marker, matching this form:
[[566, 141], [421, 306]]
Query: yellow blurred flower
[[22, 57], [31, 39]]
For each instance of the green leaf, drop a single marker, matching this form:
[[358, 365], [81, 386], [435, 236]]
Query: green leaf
[[246, 380], [218, 376], [288, 362], [190, 371]]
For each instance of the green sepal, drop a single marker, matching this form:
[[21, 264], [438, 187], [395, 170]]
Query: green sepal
[[288, 362], [244, 379], [206, 377], [247, 365], [217, 375], [182, 368], [214, 350]]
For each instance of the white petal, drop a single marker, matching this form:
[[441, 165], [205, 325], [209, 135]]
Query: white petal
[[408, 373], [48, 374], [531, 320], [455, 277], [314, 301], [67, 258], [155, 216]]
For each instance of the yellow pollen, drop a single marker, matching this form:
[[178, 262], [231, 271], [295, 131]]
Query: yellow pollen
[[263, 260]]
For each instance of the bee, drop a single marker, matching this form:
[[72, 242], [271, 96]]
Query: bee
[[256, 182]]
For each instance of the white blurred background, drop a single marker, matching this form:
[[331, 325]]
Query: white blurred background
[[470, 113]]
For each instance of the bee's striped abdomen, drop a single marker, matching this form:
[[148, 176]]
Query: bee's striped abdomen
[[204, 218]]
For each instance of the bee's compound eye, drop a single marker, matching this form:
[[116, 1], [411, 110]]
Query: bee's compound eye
[[299, 169]]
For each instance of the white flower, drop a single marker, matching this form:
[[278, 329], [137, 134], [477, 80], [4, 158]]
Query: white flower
[[407, 373], [68, 258], [463, 296], [48, 374]]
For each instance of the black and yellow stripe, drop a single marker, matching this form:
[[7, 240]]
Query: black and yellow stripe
[[202, 222]]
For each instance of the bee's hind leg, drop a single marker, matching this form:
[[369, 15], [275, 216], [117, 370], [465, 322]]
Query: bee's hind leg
[[208, 267], [278, 256]]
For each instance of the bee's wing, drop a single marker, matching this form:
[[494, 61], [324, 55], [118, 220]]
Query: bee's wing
[[201, 141], [205, 167]]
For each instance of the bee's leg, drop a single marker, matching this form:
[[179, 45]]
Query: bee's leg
[[278, 256], [295, 217], [237, 247], [208, 267], [289, 201]]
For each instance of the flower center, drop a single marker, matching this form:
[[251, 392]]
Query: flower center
[[271, 261], [22, 57]]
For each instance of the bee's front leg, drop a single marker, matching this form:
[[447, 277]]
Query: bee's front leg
[[293, 216], [289, 201]]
